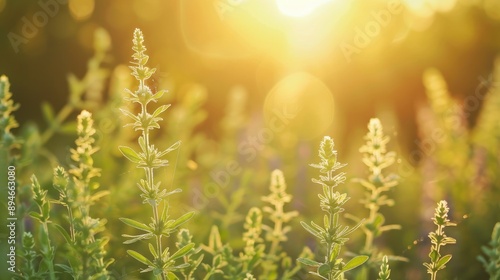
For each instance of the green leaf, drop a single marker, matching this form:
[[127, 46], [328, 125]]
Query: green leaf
[[158, 95], [48, 112], [171, 276], [354, 262], [443, 261], [139, 257], [130, 154], [63, 232], [171, 148], [214, 240], [310, 229], [324, 269], [181, 220], [335, 253], [68, 128], [135, 238], [36, 215], [160, 110], [129, 114], [379, 220], [136, 224], [182, 251], [152, 250], [309, 262]]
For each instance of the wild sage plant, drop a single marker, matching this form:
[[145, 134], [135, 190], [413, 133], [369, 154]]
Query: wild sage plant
[[7, 119], [47, 251], [163, 262], [332, 234], [491, 261], [439, 239], [277, 234], [376, 158], [262, 257], [7, 159], [225, 265], [77, 194]]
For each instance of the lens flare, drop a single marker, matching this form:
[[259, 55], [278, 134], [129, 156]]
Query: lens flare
[[300, 104], [299, 8]]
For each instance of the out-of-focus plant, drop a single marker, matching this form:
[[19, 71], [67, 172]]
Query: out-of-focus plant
[[84, 93], [30, 260], [7, 119], [76, 188], [384, 272], [193, 257], [163, 263], [277, 234], [225, 265], [8, 142], [77, 192], [439, 239], [332, 235], [491, 260], [376, 158], [464, 161], [262, 257], [46, 248]]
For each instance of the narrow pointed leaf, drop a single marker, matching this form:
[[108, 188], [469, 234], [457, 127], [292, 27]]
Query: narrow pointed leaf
[[309, 262], [152, 250], [136, 224], [181, 220], [310, 229], [443, 261], [354, 262], [63, 232], [182, 251], [139, 257], [171, 148], [160, 110], [130, 154]]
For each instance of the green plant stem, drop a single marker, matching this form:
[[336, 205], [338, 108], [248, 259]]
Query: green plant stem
[[61, 117], [48, 253]]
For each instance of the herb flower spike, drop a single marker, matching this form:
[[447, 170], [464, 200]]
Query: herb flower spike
[[439, 239], [163, 263], [332, 235]]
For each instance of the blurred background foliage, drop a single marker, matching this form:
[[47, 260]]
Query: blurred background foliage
[[237, 68]]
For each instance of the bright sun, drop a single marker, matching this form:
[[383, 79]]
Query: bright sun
[[299, 8]]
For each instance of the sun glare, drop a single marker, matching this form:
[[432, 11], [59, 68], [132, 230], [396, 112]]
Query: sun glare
[[299, 8]]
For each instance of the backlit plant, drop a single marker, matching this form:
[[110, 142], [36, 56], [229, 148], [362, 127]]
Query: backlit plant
[[277, 234], [85, 247], [163, 262], [384, 272], [376, 158], [332, 235], [439, 239], [491, 260]]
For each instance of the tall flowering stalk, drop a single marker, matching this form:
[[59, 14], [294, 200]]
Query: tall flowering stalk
[[277, 234], [377, 184], [332, 235], [77, 193], [7, 119], [150, 158], [376, 158], [439, 239]]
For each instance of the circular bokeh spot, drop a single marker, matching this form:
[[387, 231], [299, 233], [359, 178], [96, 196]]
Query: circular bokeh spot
[[301, 104]]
